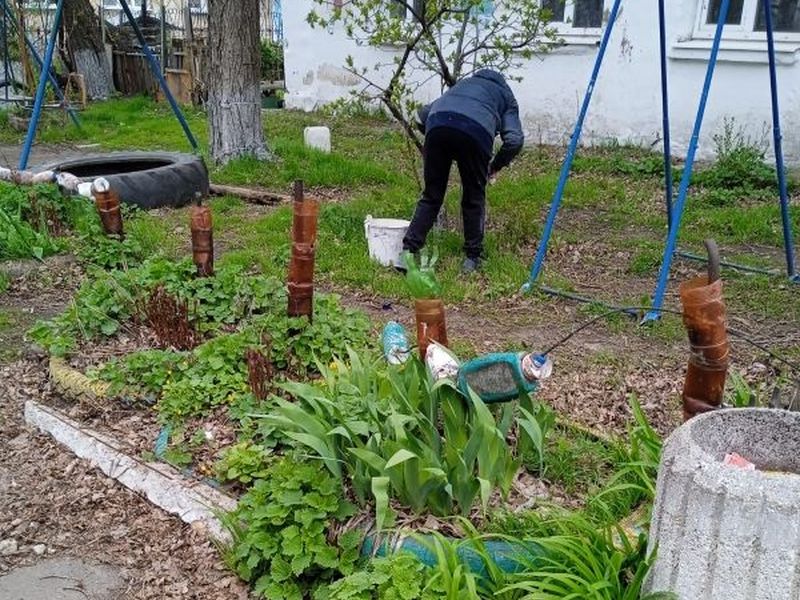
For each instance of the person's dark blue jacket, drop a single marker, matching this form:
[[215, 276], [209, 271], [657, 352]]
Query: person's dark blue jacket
[[482, 106]]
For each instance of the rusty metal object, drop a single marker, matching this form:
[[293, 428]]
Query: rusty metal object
[[431, 325], [704, 318], [301, 266], [202, 240], [306, 213], [108, 207]]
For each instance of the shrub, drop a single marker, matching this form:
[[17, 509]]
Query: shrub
[[280, 531]]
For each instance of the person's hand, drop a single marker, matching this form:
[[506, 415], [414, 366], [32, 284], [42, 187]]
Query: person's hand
[[492, 177]]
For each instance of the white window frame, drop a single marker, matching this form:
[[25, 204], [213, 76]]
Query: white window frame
[[200, 10], [566, 30], [745, 31]]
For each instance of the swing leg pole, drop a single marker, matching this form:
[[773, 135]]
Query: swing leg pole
[[155, 67], [39, 102], [668, 185], [39, 62], [573, 146], [677, 213], [788, 241]]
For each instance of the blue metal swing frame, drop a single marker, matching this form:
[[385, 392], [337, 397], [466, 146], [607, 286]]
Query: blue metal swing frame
[[674, 210], [46, 75]]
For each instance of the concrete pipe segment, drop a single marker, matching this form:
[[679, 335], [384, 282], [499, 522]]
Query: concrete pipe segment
[[723, 531]]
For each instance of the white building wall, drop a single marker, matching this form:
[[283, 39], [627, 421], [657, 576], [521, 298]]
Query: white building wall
[[627, 99]]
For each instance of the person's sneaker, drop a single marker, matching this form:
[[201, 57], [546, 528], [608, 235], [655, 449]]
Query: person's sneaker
[[471, 265]]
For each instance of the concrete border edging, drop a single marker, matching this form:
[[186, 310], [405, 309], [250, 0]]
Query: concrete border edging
[[192, 501]]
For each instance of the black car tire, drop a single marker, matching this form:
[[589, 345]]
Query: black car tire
[[145, 179]]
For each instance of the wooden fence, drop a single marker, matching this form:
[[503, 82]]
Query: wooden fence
[[132, 74]]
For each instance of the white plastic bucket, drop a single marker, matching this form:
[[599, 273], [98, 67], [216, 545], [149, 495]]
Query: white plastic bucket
[[385, 239]]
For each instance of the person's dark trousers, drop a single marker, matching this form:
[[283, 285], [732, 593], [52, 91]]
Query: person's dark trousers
[[443, 145]]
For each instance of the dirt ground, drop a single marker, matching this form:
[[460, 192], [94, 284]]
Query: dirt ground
[[53, 505]]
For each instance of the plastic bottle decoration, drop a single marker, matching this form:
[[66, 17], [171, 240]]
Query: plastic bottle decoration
[[704, 318], [429, 308], [202, 240], [108, 207], [301, 266]]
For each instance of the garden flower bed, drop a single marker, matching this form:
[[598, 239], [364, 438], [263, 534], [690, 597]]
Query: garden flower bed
[[323, 442]]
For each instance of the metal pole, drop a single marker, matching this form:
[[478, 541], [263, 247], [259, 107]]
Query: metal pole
[[37, 106], [157, 72], [163, 15], [677, 212], [668, 185], [573, 145], [39, 62], [5, 53], [788, 241]]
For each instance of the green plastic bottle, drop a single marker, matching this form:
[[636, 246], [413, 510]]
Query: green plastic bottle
[[503, 376]]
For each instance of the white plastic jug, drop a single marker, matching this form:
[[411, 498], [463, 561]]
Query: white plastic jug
[[385, 239]]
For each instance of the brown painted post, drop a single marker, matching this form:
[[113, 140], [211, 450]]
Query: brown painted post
[[202, 240], [301, 266], [108, 207], [705, 321]]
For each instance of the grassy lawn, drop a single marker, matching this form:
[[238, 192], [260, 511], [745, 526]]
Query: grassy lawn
[[611, 221]]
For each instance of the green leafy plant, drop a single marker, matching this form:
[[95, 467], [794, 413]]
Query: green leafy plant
[[244, 463], [32, 221], [740, 170], [421, 280], [280, 532], [535, 423], [740, 394], [271, 60], [394, 434], [635, 482], [140, 373], [582, 561], [400, 576]]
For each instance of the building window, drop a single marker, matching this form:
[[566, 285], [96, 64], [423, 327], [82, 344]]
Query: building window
[[198, 6], [399, 8], [734, 12], [785, 16], [746, 19], [575, 16]]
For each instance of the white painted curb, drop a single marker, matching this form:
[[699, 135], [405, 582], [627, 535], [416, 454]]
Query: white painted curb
[[192, 501]]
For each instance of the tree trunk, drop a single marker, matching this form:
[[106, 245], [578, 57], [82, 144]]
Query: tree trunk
[[85, 48], [234, 80]]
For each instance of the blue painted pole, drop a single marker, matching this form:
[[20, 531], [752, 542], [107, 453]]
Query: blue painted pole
[[573, 145], [677, 213], [5, 53], [39, 102], [668, 186], [788, 241], [59, 94], [156, 68]]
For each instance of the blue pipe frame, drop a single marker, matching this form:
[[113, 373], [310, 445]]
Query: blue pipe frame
[[46, 75], [7, 13], [573, 146], [788, 241], [43, 78], [674, 210], [9, 19], [156, 68], [683, 192]]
